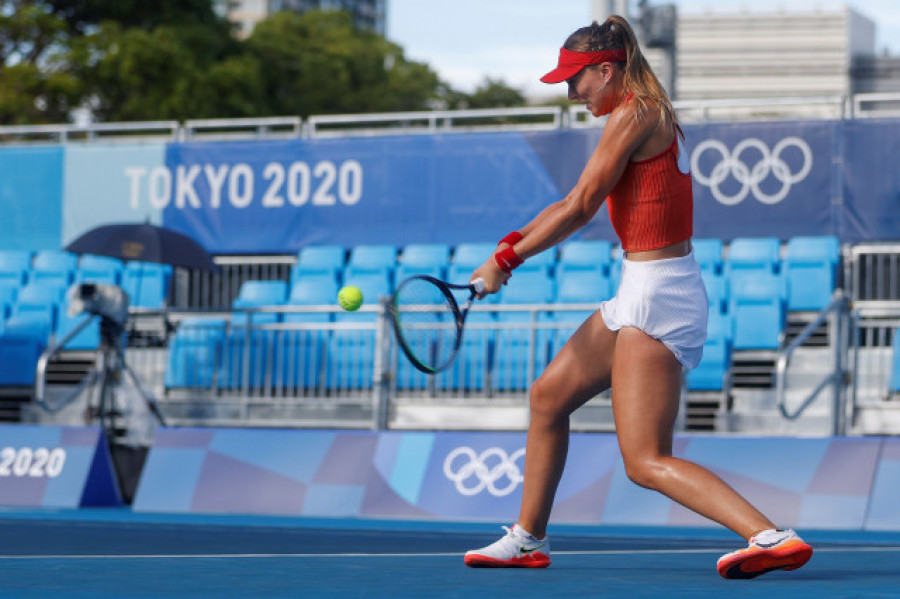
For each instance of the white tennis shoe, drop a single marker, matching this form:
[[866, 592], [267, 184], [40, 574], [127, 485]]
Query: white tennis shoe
[[768, 550], [517, 549]]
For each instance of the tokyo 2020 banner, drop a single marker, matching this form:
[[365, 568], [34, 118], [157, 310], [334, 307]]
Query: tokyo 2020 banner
[[274, 197]]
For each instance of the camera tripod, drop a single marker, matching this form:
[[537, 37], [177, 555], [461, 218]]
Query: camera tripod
[[106, 375]]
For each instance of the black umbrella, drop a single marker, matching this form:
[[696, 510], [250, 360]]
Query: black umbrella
[[145, 242]]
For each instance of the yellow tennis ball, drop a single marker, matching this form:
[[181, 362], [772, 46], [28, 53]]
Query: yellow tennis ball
[[350, 298]]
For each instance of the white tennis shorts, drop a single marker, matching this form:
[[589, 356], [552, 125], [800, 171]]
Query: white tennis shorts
[[665, 299]]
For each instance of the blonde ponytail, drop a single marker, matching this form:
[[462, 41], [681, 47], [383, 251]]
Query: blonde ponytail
[[639, 78]]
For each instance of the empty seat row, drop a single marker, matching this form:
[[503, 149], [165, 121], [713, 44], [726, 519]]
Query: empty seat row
[[804, 279], [146, 283], [807, 272]]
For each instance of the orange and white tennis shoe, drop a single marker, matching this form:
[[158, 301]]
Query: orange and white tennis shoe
[[768, 550], [517, 549]]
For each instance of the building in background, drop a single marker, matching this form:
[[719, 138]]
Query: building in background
[[751, 53], [245, 14]]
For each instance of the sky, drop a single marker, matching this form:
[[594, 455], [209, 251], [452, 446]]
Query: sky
[[517, 41]]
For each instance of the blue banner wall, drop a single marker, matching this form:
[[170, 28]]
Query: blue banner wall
[[840, 483], [30, 197], [871, 180], [778, 179], [103, 185]]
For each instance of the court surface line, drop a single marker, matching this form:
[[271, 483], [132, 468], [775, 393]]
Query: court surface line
[[873, 549]]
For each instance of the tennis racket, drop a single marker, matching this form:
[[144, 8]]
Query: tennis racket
[[428, 320]]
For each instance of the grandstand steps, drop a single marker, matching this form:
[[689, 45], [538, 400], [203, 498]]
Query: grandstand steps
[[753, 369], [882, 418], [702, 410], [797, 321], [755, 411], [753, 403], [12, 400]]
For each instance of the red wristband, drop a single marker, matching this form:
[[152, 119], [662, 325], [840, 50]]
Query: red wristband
[[512, 238], [507, 259]]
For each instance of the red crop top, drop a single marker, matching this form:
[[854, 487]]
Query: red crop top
[[652, 205]]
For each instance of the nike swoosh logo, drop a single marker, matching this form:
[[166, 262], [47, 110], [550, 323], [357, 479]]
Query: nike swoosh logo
[[770, 545], [524, 549]]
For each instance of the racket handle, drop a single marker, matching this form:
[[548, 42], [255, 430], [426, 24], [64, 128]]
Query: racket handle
[[479, 286]]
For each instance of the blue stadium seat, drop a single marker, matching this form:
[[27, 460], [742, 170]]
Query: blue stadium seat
[[425, 255], [708, 254], [716, 291], [574, 287], [14, 266], [513, 345], [351, 352], [27, 330], [99, 269], [300, 362], [810, 269], [54, 266], [8, 293], [423, 259], [319, 259], [710, 374], [615, 267], [249, 353], [468, 373], [146, 283], [545, 262], [582, 287], [585, 255], [195, 353], [368, 259], [36, 311], [471, 255], [757, 307], [257, 294], [759, 254]]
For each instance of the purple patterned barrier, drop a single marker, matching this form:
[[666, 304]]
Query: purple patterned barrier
[[55, 466], [838, 483]]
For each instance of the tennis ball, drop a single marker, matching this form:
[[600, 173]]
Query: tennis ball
[[350, 298]]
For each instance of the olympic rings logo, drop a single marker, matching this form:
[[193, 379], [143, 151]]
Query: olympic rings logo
[[492, 469], [750, 178]]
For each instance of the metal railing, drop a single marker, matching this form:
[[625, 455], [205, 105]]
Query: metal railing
[[532, 118], [836, 314], [297, 365], [871, 353]]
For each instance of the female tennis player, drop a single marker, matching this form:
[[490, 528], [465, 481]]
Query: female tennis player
[[638, 342]]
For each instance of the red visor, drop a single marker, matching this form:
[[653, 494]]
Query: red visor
[[571, 62]]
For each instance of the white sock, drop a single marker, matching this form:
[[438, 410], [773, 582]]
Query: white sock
[[525, 533]]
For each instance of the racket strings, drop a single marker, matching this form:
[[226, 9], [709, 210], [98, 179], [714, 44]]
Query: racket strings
[[427, 323]]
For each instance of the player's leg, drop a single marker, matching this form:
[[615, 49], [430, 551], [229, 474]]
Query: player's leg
[[646, 390], [579, 371], [646, 395]]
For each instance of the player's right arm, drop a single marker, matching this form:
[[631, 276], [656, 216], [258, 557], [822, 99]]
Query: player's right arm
[[622, 136]]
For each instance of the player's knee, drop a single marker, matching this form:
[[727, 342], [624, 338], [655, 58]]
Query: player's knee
[[544, 402], [644, 472]]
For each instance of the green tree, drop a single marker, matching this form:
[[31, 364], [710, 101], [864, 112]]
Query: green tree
[[495, 94], [319, 63], [35, 86], [167, 72]]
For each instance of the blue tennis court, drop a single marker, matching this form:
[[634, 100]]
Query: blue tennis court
[[117, 553]]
